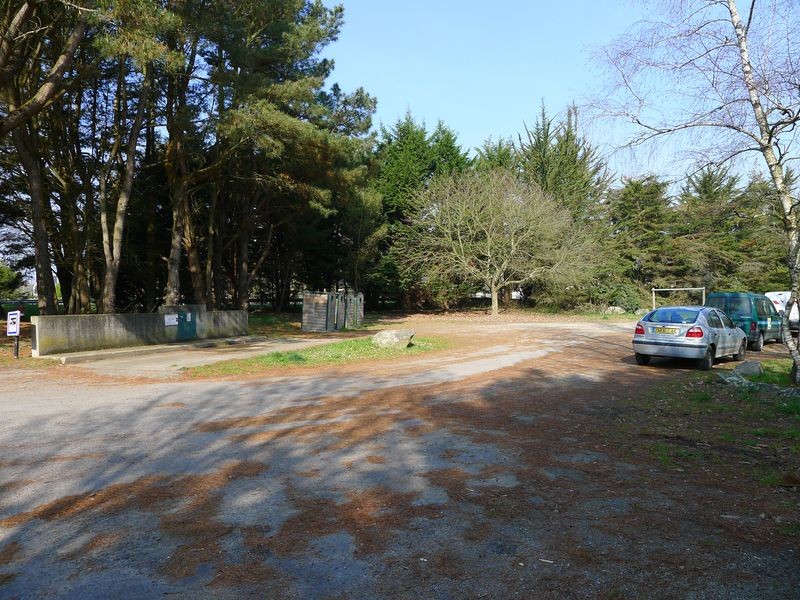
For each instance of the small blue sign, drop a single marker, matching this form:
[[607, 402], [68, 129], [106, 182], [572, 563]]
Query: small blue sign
[[12, 323]]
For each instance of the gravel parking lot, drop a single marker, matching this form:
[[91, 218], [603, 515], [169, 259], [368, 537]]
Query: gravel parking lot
[[488, 470]]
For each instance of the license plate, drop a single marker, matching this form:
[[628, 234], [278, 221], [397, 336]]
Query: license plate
[[667, 330]]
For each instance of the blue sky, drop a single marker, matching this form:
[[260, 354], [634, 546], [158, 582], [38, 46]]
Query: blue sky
[[483, 68]]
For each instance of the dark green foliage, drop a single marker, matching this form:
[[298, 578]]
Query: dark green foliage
[[639, 222], [613, 290], [563, 164], [408, 160], [405, 164], [10, 282], [446, 155], [245, 153], [715, 234], [276, 183], [496, 155]]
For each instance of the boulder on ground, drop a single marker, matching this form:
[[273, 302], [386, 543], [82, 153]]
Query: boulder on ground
[[614, 310], [641, 311], [749, 367], [733, 378], [393, 338]]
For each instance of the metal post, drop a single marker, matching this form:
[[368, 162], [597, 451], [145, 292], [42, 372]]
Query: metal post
[[16, 346], [704, 296], [653, 290]]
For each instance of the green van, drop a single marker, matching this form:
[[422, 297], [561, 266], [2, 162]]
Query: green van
[[754, 313]]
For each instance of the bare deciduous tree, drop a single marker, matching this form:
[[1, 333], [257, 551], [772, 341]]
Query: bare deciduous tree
[[491, 228], [723, 78]]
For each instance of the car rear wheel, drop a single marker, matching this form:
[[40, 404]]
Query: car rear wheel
[[642, 359], [758, 345], [708, 360], [742, 351]]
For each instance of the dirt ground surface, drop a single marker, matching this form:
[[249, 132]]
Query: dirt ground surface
[[494, 469], [168, 361]]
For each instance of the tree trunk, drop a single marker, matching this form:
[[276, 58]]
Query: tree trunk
[[211, 242], [64, 278], [152, 255], [179, 190], [45, 286], [242, 283], [78, 288], [218, 252], [112, 237], [177, 162], [172, 294], [495, 303], [286, 283], [151, 259], [79, 296], [18, 116], [776, 173], [193, 255]]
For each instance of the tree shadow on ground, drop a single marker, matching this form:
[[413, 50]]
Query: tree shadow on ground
[[324, 486]]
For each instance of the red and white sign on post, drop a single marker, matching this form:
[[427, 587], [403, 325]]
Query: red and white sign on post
[[12, 328]]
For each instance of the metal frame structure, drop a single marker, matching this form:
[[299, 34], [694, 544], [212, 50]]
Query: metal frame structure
[[654, 290]]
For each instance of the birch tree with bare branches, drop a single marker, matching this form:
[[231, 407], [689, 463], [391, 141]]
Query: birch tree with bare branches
[[722, 79]]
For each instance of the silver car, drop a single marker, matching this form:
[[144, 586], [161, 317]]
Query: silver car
[[699, 332]]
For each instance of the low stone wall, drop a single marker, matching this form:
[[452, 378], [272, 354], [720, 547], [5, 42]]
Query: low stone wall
[[75, 333]]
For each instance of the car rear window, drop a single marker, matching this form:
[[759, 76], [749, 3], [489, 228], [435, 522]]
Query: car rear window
[[740, 307], [673, 315]]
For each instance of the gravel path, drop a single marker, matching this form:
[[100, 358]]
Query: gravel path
[[476, 473]]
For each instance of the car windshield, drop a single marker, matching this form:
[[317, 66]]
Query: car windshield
[[673, 315], [716, 303], [740, 307]]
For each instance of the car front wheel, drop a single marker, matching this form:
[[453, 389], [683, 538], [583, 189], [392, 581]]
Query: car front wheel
[[708, 360], [758, 345], [742, 351], [642, 359]]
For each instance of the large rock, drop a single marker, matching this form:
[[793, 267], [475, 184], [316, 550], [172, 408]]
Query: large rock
[[393, 338], [614, 310], [641, 311], [749, 368], [733, 378]]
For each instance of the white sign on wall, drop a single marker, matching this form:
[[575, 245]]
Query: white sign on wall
[[12, 323], [171, 320]]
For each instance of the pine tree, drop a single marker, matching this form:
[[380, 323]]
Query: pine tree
[[554, 156]]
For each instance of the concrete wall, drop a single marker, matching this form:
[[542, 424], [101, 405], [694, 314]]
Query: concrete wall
[[329, 311], [75, 333], [354, 311], [316, 311]]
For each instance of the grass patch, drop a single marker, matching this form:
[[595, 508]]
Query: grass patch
[[669, 455], [792, 530], [750, 436], [702, 396], [776, 372], [343, 352], [791, 433], [790, 406], [25, 361], [770, 478], [663, 453]]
